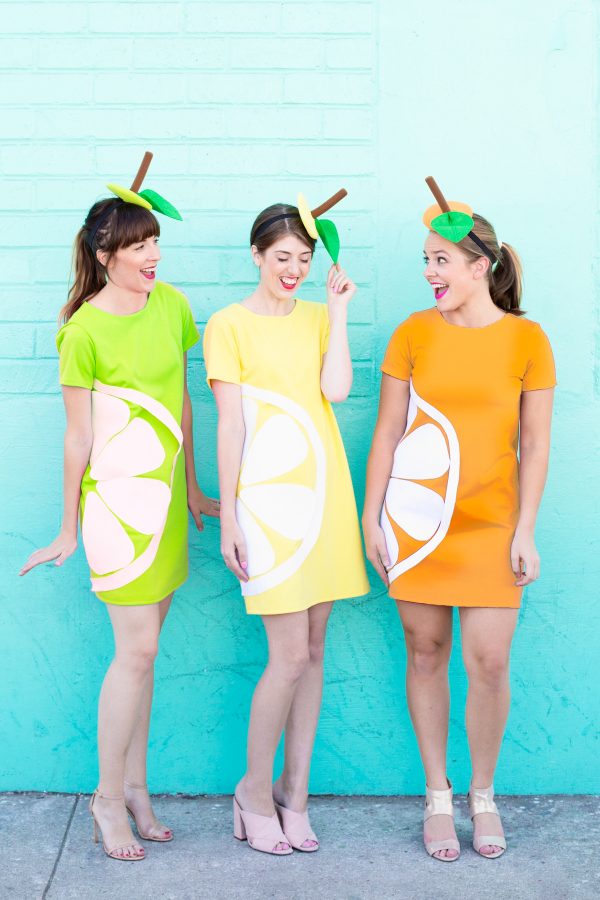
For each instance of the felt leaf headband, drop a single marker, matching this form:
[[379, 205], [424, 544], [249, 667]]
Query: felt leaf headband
[[148, 199], [316, 227], [453, 220]]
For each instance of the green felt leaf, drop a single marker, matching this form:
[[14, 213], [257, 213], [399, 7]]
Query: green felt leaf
[[160, 204], [453, 225], [330, 237]]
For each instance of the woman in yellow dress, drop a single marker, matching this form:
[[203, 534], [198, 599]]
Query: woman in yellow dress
[[288, 517], [450, 509]]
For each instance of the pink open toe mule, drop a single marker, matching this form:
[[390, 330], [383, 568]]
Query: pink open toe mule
[[262, 832], [481, 800], [297, 829], [439, 803]]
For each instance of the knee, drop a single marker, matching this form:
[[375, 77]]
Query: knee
[[291, 666], [489, 669], [140, 657], [426, 656], [316, 650]]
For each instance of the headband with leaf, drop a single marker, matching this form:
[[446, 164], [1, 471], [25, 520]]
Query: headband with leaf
[[453, 220], [147, 198], [316, 227]]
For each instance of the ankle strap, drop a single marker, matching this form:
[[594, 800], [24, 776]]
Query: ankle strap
[[438, 803], [481, 800], [97, 793], [136, 787]]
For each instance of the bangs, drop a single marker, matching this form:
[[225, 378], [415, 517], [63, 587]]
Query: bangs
[[131, 224]]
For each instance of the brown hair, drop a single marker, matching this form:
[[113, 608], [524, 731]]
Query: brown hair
[[289, 223], [505, 276], [110, 225]]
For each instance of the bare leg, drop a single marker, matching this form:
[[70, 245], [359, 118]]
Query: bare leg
[[136, 630], [486, 637], [291, 789], [136, 793], [288, 637], [428, 636]]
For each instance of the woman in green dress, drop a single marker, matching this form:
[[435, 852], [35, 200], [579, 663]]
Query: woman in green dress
[[129, 474]]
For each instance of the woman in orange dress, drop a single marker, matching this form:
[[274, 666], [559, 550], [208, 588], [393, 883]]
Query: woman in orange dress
[[454, 480]]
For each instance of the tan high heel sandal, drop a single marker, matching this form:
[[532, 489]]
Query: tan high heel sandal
[[136, 856], [481, 800], [147, 837], [439, 803]]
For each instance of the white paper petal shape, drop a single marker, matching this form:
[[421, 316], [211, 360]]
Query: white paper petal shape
[[421, 454], [250, 414], [133, 451], [286, 508], [107, 545], [278, 448], [411, 414], [261, 556], [109, 416], [416, 509], [143, 503], [390, 538]]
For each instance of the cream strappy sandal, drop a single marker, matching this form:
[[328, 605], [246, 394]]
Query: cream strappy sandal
[[439, 803], [481, 800], [159, 833], [113, 852]]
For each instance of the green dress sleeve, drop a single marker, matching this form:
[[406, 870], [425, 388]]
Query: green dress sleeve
[[189, 332], [77, 364]]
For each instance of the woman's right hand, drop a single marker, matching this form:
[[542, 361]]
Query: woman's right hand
[[60, 549], [233, 548], [376, 550]]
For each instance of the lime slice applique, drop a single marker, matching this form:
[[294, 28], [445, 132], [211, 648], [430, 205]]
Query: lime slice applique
[[415, 517], [330, 237], [454, 226]]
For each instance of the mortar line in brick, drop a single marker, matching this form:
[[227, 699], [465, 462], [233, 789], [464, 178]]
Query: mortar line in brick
[[60, 849]]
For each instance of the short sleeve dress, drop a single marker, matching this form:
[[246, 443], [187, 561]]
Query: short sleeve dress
[[133, 508], [452, 502], [295, 502]]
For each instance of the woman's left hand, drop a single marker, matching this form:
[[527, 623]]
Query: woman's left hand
[[524, 558], [340, 288], [200, 505]]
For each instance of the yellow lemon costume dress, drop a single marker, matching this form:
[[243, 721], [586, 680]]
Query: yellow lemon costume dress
[[452, 502], [295, 502]]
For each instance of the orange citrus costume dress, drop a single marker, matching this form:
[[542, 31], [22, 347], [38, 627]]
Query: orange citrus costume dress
[[452, 502]]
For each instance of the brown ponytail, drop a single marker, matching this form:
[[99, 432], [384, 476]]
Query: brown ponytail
[[506, 275], [110, 225]]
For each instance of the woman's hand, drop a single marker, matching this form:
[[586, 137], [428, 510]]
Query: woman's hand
[[200, 505], [233, 548], [376, 550], [60, 549], [340, 289], [524, 558]]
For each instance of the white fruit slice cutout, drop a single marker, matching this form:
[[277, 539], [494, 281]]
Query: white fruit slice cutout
[[124, 450], [280, 516], [427, 451]]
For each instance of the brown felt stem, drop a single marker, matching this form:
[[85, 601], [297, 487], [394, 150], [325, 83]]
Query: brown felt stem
[[339, 195], [440, 199], [141, 174]]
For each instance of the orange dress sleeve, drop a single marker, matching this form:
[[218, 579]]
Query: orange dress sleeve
[[398, 360], [540, 372]]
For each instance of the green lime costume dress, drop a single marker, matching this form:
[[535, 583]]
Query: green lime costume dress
[[133, 494]]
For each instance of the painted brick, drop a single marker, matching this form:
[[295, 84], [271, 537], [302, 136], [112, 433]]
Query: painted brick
[[338, 160], [112, 160], [47, 159], [53, 122], [147, 89], [46, 87], [30, 377], [328, 87], [251, 87], [248, 18], [258, 121], [17, 123], [17, 194], [245, 159], [16, 341], [327, 18], [14, 266], [26, 303], [181, 53], [269, 53], [35, 230], [16, 53], [48, 17], [73, 53], [131, 18], [350, 53], [349, 124], [180, 123], [45, 341]]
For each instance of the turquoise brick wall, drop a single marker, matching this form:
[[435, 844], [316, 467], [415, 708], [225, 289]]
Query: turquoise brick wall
[[243, 104]]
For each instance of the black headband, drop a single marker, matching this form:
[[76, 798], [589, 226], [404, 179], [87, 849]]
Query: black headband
[[489, 253], [91, 237], [267, 224]]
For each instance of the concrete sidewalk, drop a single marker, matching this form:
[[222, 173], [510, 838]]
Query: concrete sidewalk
[[371, 848]]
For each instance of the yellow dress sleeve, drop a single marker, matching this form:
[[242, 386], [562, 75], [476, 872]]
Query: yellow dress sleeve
[[221, 351]]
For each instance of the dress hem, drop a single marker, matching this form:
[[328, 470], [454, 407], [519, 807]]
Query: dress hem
[[258, 612], [456, 604], [140, 602]]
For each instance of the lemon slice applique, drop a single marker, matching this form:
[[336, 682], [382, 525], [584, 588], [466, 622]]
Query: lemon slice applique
[[281, 492], [415, 517]]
